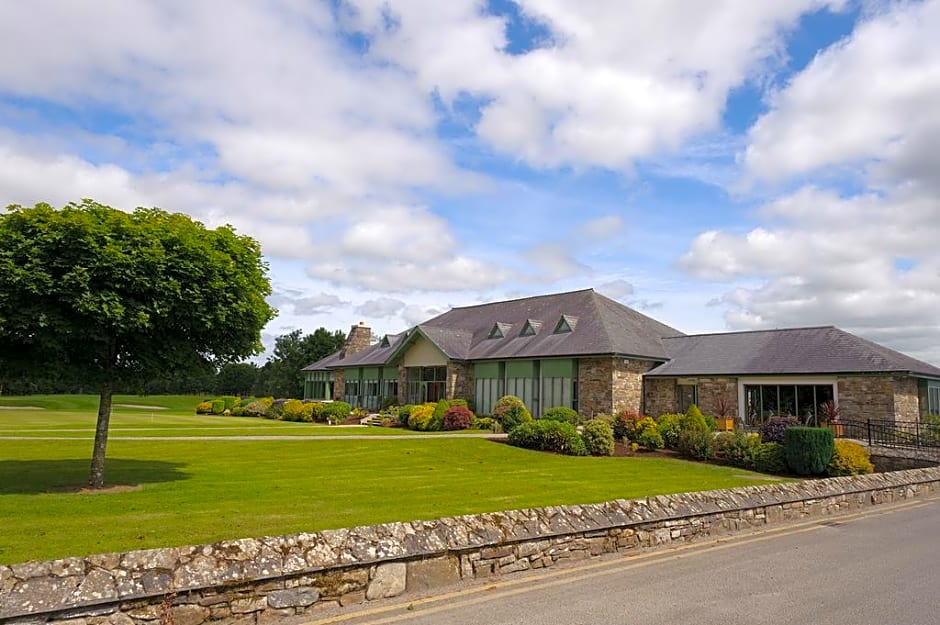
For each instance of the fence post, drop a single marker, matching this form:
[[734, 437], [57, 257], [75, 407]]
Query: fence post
[[868, 424]]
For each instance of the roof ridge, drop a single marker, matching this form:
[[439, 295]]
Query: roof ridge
[[600, 315], [691, 336], [519, 299]]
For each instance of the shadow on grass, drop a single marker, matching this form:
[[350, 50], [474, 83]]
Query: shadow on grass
[[29, 477]]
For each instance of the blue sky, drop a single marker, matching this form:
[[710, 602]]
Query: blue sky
[[728, 165]]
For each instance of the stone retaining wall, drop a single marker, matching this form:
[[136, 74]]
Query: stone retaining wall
[[254, 581]]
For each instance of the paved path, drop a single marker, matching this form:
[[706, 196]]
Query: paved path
[[881, 567]]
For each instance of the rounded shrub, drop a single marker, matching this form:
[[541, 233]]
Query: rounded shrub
[[670, 425], [421, 416], [510, 411], [555, 436], [256, 409], [562, 413], [218, 406], [695, 420], [336, 412], [768, 458], [625, 425], [293, 410], [771, 430], [204, 407], [457, 418], [736, 448], [646, 434], [697, 444], [808, 450], [849, 458], [598, 437], [230, 401]]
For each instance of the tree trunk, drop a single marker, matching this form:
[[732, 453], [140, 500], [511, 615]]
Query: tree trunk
[[96, 478]]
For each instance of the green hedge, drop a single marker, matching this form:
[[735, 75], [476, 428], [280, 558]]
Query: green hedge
[[808, 450], [555, 436]]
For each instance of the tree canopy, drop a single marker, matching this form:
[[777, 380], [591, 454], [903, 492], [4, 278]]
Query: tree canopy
[[281, 375], [109, 297]]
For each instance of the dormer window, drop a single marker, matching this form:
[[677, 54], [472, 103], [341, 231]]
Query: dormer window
[[531, 328], [385, 342], [499, 330], [566, 324]]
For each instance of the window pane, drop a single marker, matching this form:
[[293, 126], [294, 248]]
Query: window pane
[[752, 406], [806, 403], [768, 396], [787, 401]]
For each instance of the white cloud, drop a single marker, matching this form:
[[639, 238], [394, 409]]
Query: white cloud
[[616, 81], [381, 307], [616, 289], [317, 304], [602, 228], [553, 261], [873, 99], [414, 314]]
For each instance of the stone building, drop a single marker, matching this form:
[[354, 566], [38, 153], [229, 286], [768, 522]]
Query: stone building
[[590, 353]]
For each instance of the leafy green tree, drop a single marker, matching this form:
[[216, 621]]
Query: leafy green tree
[[237, 378], [281, 375], [115, 298]]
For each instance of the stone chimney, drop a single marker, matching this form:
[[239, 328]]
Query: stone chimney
[[360, 337]]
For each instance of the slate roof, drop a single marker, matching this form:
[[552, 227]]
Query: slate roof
[[816, 350], [600, 326]]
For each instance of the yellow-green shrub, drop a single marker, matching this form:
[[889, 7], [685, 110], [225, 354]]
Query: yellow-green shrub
[[204, 407], [420, 417], [849, 459], [293, 410]]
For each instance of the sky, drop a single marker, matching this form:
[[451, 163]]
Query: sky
[[720, 166]]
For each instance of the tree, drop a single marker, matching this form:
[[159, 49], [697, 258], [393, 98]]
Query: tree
[[115, 298], [236, 378], [281, 375]]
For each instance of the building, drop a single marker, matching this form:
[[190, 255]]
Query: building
[[588, 352]]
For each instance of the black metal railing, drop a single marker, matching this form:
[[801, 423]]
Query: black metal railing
[[890, 433]]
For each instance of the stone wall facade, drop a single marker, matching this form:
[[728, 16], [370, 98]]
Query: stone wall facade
[[339, 384], [864, 397], [906, 400], [459, 381], [659, 396], [256, 581], [607, 385]]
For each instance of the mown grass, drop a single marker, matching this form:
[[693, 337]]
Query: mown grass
[[202, 490]]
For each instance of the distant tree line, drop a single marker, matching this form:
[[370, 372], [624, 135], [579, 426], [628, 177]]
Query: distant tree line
[[280, 376]]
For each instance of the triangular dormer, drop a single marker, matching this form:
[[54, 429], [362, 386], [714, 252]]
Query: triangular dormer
[[385, 342], [531, 327], [566, 324], [499, 330]]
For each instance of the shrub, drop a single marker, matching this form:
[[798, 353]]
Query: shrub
[[646, 434], [625, 425], [218, 406], [267, 401], [808, 450], [737, 448], [769, 458], [693, 419], [555, 436], [230, 401], [669, 427], [388, 402], [510, 411], [403, 413], [204, 407], [485, 423], [562, 413], [696, 443], [849, 458], [293, 410], [771, 431], [238, 411], [420, 417], [440, 408], [256, 409], [598, 437], [245, 401], [316, 409], [335, 412], [457, 418], [276, 411]]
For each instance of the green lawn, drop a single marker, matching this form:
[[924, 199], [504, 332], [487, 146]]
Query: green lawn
[[195, 491]]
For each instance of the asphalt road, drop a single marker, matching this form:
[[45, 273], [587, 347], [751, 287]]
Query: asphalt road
[[879, 568]]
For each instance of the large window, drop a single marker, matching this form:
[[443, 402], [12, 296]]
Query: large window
[[426, 384], [319, 385], [540, 384], [762, 401], [686, 395], [933, 397]]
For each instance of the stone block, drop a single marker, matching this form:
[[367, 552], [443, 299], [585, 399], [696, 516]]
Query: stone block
[[293, 598], [247, 606], [352, 598], [188, 614], [389, 581], [432, 573]]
